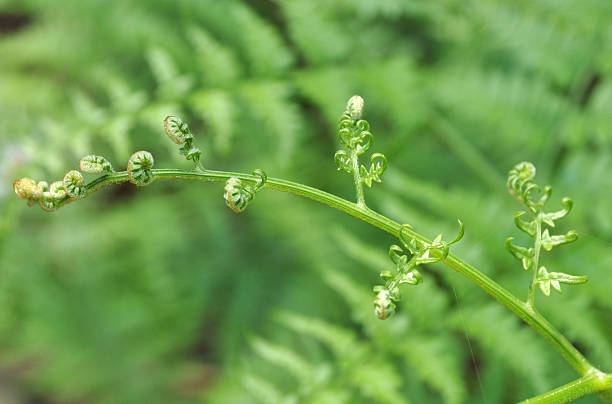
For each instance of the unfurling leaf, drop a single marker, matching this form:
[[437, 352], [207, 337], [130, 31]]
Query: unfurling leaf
[[177, 130], [547, 279], [520, 181], [413, 277], [528, 227], [343, 161], [384, 305], [27, 188], [140, 167], [355, 106], [523, 254], [73, 184], [377, 168], [567, 204], [238, 195], [93, 164], [548, 241]]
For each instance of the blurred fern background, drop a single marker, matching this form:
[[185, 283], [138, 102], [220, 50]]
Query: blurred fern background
[[163, 295]]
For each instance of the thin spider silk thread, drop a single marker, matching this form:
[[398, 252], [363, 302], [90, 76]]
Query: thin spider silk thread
[[469, 343]]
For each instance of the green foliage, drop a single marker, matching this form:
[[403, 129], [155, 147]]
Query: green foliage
[[522, 186], [406, 271], [145, 296], [354, 134]]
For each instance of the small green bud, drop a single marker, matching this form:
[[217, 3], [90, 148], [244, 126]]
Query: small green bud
[[520, 181], [355, 106], [93, 164], [73, 184], [43, 185], [47, 202], [383, 304], [237, 195], [140, 167], [177, 130], [57, 190]]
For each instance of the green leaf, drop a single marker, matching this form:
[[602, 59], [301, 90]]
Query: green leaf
[[523, 254], [527, 227], [567, 204], [548, 241], [377, 168], [547, 279], [343, 161]]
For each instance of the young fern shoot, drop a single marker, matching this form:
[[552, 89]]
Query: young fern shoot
[[355, 136], [406, 272], [522, 186]]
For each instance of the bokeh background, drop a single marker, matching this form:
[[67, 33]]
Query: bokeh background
[[163, 295]]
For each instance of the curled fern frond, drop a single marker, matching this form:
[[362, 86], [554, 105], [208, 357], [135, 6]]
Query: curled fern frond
[[521, 185], [355, 106], [354, 134], [460, 234], [406, 272], [93, 164], [27, 188], [527, 227], [57, 190], [384, 306], [567, 205], [47, 202], [343, 161], [525, 255], [520, 180], [139, 168], [73, 184], [47, 196], [179, 132], [377, 168], [52, 195], [238, 194], [262, 178], [43, 185]]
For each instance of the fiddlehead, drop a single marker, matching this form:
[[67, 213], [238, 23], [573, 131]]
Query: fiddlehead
[[354, 134], [179, 132], [74, 185], [406, 271], [93, 164], [238, 194], [139, 168], [27, 188], [522, 186]]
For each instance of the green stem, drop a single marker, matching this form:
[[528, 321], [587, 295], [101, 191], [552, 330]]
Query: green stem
[[358, 181], [522, 309], [536, 258], [592, 382]]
